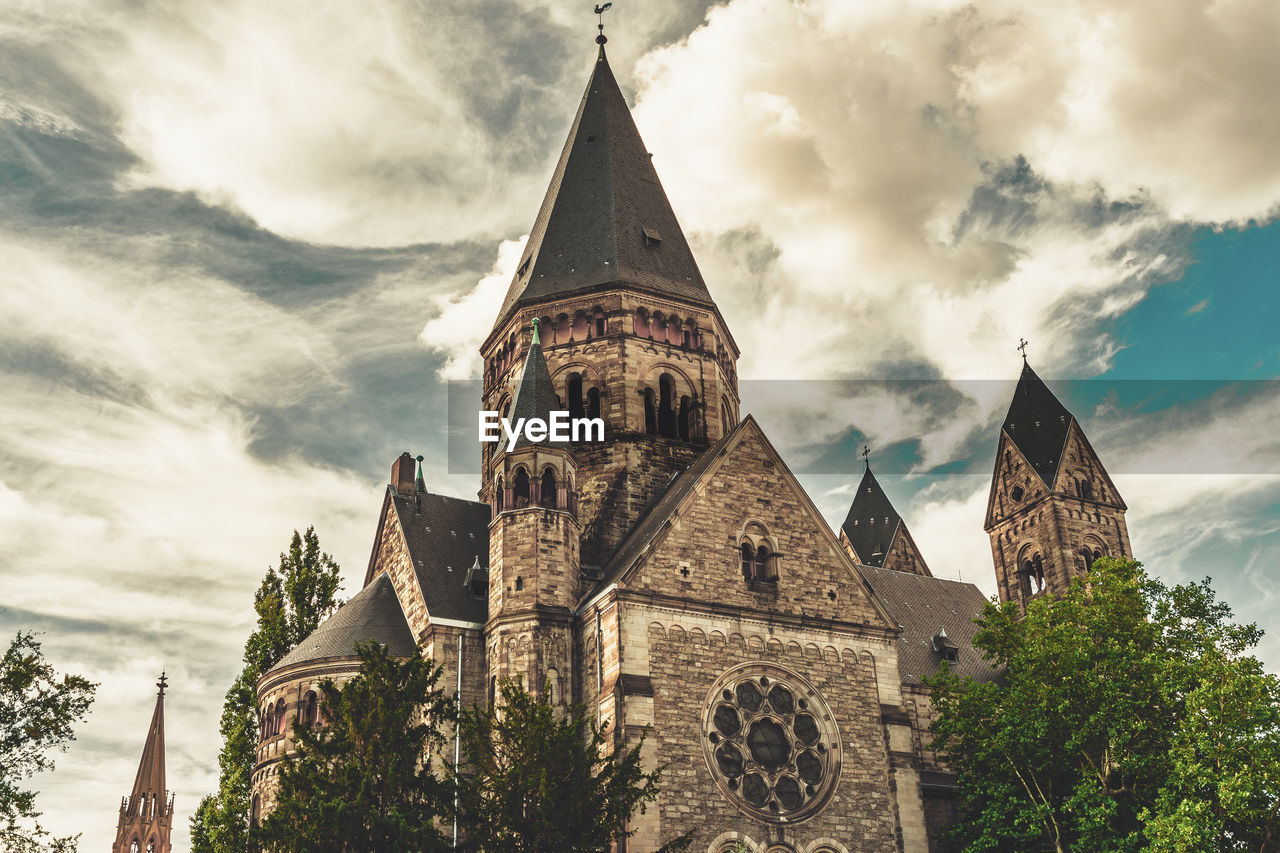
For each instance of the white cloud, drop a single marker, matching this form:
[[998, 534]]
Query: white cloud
[[463, 320], [851, 140]]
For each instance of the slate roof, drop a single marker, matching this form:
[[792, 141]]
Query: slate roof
[[150, 778], [536, 396], [445, 536], [872, 521], [923, 605], [604, 194], [372, 614], [1038, 424], [652, 521]]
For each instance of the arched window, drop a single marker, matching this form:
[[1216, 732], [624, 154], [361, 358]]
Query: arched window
[[1084, 489], [748, 561], [151, 846], [581, 326], [135, 847], [682, 419], [280, 717], [657, 327], [310, 709], [547, 497], [499, 494], [599, 322], [574, 388], [562, 329], [520, 489], [640, 323], [1033, 575], [666, 406], [255, 811], [759, 559]]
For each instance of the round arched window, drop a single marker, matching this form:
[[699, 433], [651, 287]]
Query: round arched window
[[771, 742]]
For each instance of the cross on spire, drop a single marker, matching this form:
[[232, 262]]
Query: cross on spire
[[162, 683], [1022, 347], [866, 456]]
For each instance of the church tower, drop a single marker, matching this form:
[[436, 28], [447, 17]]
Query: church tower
[[875, 535], [1052, 509], [534, 571], [629, 331], [146, 815]]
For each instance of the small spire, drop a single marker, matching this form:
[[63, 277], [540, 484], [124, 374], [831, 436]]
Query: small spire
[[1022, 347], [419, 484], [536, 323]]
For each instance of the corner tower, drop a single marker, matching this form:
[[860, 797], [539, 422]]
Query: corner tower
[[146, 815], [1052, 509], [629, 331], [534, 572]]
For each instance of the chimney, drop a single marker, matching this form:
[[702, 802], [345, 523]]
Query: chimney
[[402, 474]]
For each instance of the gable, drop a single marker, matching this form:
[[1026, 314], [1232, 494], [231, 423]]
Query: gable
[[742, 488], [1081, 465], [1014, 483]]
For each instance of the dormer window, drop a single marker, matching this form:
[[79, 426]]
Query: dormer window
[[477, 580], [652, 239]]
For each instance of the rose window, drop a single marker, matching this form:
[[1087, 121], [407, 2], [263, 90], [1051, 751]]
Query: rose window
[[771, 742]]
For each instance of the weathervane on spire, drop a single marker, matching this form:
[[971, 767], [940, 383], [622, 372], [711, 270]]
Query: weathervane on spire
[[600, 10], [1022, 347], [162, 682], [866, 456]]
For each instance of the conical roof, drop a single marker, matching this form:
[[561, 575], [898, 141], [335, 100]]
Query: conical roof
[[536, 396], [374, 613], [1038, 424], [871, 521], [605, 218], [150, 778]]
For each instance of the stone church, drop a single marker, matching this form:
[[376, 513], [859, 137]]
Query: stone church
[[675, 577]]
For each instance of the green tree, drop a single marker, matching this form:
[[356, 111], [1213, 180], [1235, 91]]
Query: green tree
[[539, 782], [38, 711], [290, 603], [1101, 733], [363, 780]]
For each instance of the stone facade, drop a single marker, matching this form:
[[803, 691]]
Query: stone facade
[[1045, 535], [675, 578]]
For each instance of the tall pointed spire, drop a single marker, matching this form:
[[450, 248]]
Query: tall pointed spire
[[1038, 424], [605, 219], [146, 815]]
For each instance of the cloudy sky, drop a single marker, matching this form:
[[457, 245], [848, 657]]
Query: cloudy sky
[[244, 248]]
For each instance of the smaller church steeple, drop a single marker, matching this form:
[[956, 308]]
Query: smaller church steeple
[[875, 534], [1052, 509], [146, 815]]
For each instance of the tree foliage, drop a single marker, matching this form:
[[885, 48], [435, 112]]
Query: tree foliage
[[291, 602], [363, 780], [38, 712], [1128, 717], [537, 781]]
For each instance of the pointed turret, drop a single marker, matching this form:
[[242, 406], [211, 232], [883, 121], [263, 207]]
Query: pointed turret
[[536, 396], [874, 533], [146, 815], [605, 218]]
